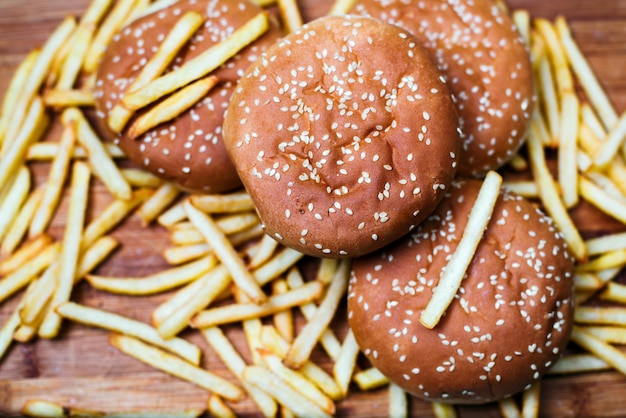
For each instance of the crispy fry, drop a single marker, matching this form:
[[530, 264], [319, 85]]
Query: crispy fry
[[70, 252], [451, 277], [283, 321], [54, 182], [263, 251], [345, 363], [198, 67], [45, 151], [68, 98], [525, 188], [141, 178], [177, 37], [41, 408], [521, 18], [602, 200], [549, 98], [444, 410], [218, 408], [508, 408], [605, 243], [371, 378], [610, 146], [133, 328], [154, 283], [158, 202], [310, 334], [292, 20], [398, 403], [607, 333], [567, 172], [600, 315], [282, 261], [562, 74], [616, 358], [172, 216], [578, 363], [94, 255], [530, 401], [225, 252], [587, 281], [615, 258], [25, 253], [240, 311], [341, 7], [35, 302], [12, 202], [19, 226], [176, 366], [223, 203], [181, 254]]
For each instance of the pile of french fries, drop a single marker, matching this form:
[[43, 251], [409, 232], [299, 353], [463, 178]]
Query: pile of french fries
[[224, 270]]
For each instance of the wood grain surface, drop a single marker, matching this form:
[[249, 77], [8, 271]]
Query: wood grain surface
[[80, 369]]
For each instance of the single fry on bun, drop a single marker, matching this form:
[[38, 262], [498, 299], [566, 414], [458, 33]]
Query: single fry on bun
[[508, 323], [344, 134], [188, 149], [486, 62]]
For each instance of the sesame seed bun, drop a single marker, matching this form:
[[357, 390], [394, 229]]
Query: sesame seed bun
[[509, 322], [345, 136], [189, 149], [486, 63]]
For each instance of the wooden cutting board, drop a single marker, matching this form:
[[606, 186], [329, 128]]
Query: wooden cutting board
[[79, 369]]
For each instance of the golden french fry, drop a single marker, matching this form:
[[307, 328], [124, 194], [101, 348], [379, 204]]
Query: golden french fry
[[73, 62], [177, 37], [606, 243], [587, 281], [68, 98], [213, 284], [585, 74], [283, 321], [282, 261], [521, 18], [19, 227], [344, 366], [175, 366], [310, 334], [25, 253], [101, 162], [13, 157], [225, 252], [240, 311], [154, 283], [198, 67], [614, 357], [187, 233], [451, 278], [283, 393], [610, 146], [600, 315], [172, 106], [172, 216], [530, 401], [12, 203], [45, 151], [567, 170], [264, 3], [141, 178], [252, 329], [223, 203], [94, 255], [550, 197], [109, 27], [41, 408], [290, 14], [527, 189], [54, 182], [518, 163], [341, 7], [16, 280], [133, 328], [508, 408], [70, 251], [444, 410], [589, 118], [145, 7], [370, 378], [614, 292], [7, 331], [398, 403], [218, 408], [602, 200], [262, 252], [578, 363], [563, 76], [549, 98], [158, 202], [607, 333], [180, 254], [36, 301], [615, 258]]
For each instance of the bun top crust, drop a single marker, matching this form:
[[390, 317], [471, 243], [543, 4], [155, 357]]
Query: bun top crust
[[189, 149], [486, 63], [345, 136], [508, 323]]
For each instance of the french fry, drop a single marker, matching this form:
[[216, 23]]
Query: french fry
[[198, 67], [567, 170], [45, 151], [398, 403], [35, 302], [72, 63], [585, 74], [614, 292], [180, 254], [344, 366], [240, 311], [42, 408], [138, 10], [54, 182], [283, 321], [549, 98], [444, 410], [94, 255], [225, 252], [172, 106], [25, 253], [370, 378], [154, 283], [11, 204], [68, 98], [527, 189], [283, 393], [562, 74], [282, 261], [298, 382], [508, 408], [587, 281], [292, 20], [610, 146], [607, 333], [111, 24], [177, 37], [310, 334], [530, 401], [158, 202], [602, 200], [451, 277], [263, 251], [600, 315], [175, 366], [34, 124], [606, 243], [19, 227], [172, 216], [341, 7], [36, 77], [550, 197], [223, 203], [252, 329], [141, 178], [133, 328], [213, 284], [578, 363], [616, 358], [152, 7], [235, 363], [70, 252], [101, 162], [16, 280], [615, 258], [218, 408], [521, 18], [589, 118]]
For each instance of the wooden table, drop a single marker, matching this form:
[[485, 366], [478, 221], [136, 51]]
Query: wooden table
[[79, 369]]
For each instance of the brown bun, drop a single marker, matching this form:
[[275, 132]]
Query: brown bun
[[509, 322], [344, 135], [189, 149], [486, 63]]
